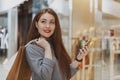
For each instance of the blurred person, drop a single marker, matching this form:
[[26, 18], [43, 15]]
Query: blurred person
[[47, 56]]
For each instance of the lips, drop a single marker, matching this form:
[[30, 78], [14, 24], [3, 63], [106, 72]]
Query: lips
[[47, 31]]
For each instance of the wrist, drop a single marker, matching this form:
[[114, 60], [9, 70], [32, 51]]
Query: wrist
[[75, 64], [48, 53], [79, 60], [47, 47]]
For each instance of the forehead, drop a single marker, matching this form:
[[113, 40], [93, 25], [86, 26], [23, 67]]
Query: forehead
[[47, 16]]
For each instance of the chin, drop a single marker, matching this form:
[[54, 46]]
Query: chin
[[46, 37]]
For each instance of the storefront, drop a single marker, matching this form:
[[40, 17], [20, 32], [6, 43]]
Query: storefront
[[81, 20], [98, 20]]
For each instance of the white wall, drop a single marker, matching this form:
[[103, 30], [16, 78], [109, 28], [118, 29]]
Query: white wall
[[12, 31], [8, 4], [111, 7]]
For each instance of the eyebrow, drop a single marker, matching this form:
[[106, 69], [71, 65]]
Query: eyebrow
[[46, 19], [43, 19]]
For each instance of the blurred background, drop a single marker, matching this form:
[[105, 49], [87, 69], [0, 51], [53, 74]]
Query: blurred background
[[81, 20]]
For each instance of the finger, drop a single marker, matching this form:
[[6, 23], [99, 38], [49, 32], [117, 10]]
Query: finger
[[85, 51], [79, 56], [88, 43], [35, 40], [81, 51], [39, 39], [86, 47], [83, 54]]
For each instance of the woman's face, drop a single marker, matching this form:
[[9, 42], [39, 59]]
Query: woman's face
[[46, 25]]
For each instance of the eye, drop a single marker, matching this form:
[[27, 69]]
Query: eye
[[52, 22], [43, 21]]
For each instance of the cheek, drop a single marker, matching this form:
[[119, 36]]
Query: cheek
[[39, 29], [39, 26], [53, 30]]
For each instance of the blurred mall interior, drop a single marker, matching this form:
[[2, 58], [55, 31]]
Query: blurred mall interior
[[81, 20]]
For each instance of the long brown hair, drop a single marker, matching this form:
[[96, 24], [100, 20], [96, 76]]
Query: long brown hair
[[56, 41]]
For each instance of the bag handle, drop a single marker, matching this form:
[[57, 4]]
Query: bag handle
[[30, 42]]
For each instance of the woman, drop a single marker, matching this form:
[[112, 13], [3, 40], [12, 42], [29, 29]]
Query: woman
[[47, 56]]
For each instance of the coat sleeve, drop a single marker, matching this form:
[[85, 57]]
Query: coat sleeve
[[73, 70], [43, 67]]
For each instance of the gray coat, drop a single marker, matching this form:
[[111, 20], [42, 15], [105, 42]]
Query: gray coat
[[44, 68]]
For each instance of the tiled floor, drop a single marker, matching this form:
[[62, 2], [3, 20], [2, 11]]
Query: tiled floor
[[3, 71], [99, 73], [93, 73]]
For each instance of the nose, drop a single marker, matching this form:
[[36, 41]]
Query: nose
[[48, 25]]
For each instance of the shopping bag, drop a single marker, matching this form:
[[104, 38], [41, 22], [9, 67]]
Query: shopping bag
[[20, 69]]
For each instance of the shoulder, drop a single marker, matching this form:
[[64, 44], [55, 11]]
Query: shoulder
[[33, 48]]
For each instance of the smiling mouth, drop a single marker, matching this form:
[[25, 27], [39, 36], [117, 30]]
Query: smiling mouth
[[47, 31]]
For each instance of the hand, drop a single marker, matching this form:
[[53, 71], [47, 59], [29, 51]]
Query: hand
[[82, 53], [42, 42]]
